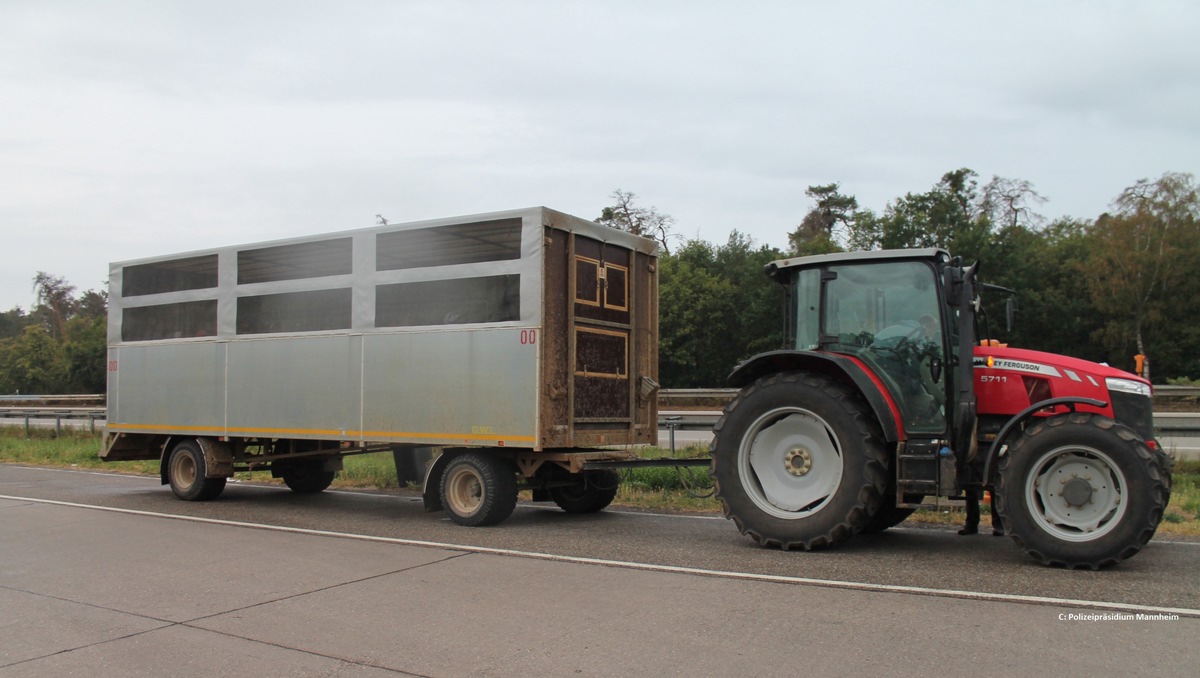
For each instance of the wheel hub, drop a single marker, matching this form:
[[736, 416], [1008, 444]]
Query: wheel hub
[[1077, 491], [798, 461], [792, 463]]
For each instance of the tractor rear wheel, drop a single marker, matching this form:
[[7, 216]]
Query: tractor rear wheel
[[1080, 490], [798, 461], [890, 515]]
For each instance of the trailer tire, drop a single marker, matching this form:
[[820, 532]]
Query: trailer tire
[[307, 476], [1080, 490], [479, 489], [185, 472], [594, 491], [798, 461]]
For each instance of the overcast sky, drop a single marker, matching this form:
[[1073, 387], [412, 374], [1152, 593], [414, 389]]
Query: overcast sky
[[133, 129]]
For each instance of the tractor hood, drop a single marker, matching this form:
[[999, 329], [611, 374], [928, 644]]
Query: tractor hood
[[1007, 380], [1050, 365]]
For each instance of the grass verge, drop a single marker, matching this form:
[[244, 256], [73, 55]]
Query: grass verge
[[653, 489]]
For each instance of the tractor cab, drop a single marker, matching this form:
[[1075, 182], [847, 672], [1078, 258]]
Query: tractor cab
[[887, 311]]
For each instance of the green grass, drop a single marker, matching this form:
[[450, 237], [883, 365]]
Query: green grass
[[1183, 513], [70, 449], [657, 489]]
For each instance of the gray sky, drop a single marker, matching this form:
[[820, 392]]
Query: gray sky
[[131, 129]]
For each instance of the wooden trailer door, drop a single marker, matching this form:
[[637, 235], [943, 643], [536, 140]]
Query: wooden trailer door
[[600, 341], [602, 334]]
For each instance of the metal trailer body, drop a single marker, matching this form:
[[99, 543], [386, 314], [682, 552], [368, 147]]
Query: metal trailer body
[[528, 331]]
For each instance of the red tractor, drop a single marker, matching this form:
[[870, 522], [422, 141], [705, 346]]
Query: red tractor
[[887, 396]]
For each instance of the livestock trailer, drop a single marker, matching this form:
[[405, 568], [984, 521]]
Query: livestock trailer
[[517, 343]]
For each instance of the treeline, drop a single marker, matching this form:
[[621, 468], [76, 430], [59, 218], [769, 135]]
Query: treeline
[[1102, 289], [57, 347]]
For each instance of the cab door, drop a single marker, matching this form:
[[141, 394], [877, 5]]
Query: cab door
[[889, 315]]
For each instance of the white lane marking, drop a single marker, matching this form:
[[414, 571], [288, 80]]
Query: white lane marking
[[106, 474], [649, 567]]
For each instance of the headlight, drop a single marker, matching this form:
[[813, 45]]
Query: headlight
[[1128, 386]]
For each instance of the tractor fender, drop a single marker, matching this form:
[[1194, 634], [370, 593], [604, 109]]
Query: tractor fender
[[1018, 421], [843, 368]]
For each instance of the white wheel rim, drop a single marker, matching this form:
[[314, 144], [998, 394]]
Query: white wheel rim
[[1076, 494], [790, 463]]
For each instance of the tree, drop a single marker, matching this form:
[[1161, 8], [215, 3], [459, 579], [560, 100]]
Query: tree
[[85, 355], [60, 346], [716, 307], [1008, 203], [13, 322], [647, 222], [946, 216], [1046, 269], [56, 302], [1140, 268], [818, 231], [32, 363]]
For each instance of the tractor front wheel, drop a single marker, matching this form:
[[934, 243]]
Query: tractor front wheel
[[1080, 490]]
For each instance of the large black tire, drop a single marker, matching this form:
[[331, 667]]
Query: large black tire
[[594, 491], [798, 461], [306, 476], [479, 489], [890, 515], [1080, 490], [185, 473]]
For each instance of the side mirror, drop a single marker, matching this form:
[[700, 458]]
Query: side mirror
[[1010, 313], [952, 283]]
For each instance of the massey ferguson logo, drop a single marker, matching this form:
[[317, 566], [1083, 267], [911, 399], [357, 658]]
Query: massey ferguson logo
[[1015, 366]]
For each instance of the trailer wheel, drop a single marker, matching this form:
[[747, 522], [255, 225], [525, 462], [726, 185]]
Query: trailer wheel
[[307, 476], [798, 461], [185, 472], [594, 491], [1081, 491], [479, 489]]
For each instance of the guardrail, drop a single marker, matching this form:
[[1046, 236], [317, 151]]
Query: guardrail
[[1172, 424], [73, 397], [29, 414], [1178, 391]]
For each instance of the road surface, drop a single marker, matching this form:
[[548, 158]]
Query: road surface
[[105, 574]]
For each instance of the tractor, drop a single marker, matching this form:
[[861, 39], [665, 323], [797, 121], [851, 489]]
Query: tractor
[[886, 398]]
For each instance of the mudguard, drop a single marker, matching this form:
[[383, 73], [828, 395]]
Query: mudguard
[[842, 368]]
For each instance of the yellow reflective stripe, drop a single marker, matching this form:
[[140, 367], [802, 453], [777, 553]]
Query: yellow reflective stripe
[[332, 433]]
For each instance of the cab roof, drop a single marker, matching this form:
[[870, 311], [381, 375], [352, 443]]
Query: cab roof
[[775, 269]]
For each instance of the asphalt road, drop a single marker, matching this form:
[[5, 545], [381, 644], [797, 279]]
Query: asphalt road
[[106, 574]]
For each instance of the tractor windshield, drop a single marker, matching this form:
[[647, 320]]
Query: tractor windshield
[[888, 314]]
